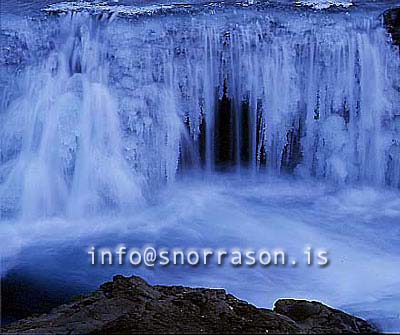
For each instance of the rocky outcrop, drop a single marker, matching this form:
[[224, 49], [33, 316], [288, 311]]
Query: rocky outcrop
[[392, 23], [316, 318], [130, 305]]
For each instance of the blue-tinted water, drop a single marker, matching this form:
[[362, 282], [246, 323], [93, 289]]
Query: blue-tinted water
[[111, 132]]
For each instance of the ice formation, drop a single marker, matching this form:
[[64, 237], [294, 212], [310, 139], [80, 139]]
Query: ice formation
[[113, 98]]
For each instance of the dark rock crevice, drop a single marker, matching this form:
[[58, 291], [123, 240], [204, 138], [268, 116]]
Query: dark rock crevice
[[392, 23]]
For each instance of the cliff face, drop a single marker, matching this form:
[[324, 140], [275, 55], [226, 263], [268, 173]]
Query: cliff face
[[130, 305], [392, 23]]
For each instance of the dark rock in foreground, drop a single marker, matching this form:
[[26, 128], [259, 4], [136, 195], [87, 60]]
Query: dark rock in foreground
[[314, 317], [130, 305]]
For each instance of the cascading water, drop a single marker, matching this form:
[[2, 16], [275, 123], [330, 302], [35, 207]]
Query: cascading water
[[70, 154], [102, 105], [315, 95]]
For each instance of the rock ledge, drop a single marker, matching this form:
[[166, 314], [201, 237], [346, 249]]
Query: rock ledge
[[131, 305]]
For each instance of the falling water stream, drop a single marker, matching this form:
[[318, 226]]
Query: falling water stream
[[247, 124]]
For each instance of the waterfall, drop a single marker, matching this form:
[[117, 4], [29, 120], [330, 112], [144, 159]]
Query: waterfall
[[66, 125], [123, 101]]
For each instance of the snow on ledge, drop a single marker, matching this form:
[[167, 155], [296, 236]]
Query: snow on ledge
[[325, 4]]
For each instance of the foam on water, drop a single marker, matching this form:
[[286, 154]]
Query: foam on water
[[356, 225]]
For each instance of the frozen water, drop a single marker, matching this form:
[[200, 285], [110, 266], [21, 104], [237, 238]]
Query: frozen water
[[67, 126], [310, 94]]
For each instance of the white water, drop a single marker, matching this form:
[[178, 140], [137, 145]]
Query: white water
[[107, 107], [70, 160], [357, 226]]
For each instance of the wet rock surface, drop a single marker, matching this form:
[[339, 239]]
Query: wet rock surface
[[130, 305]]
